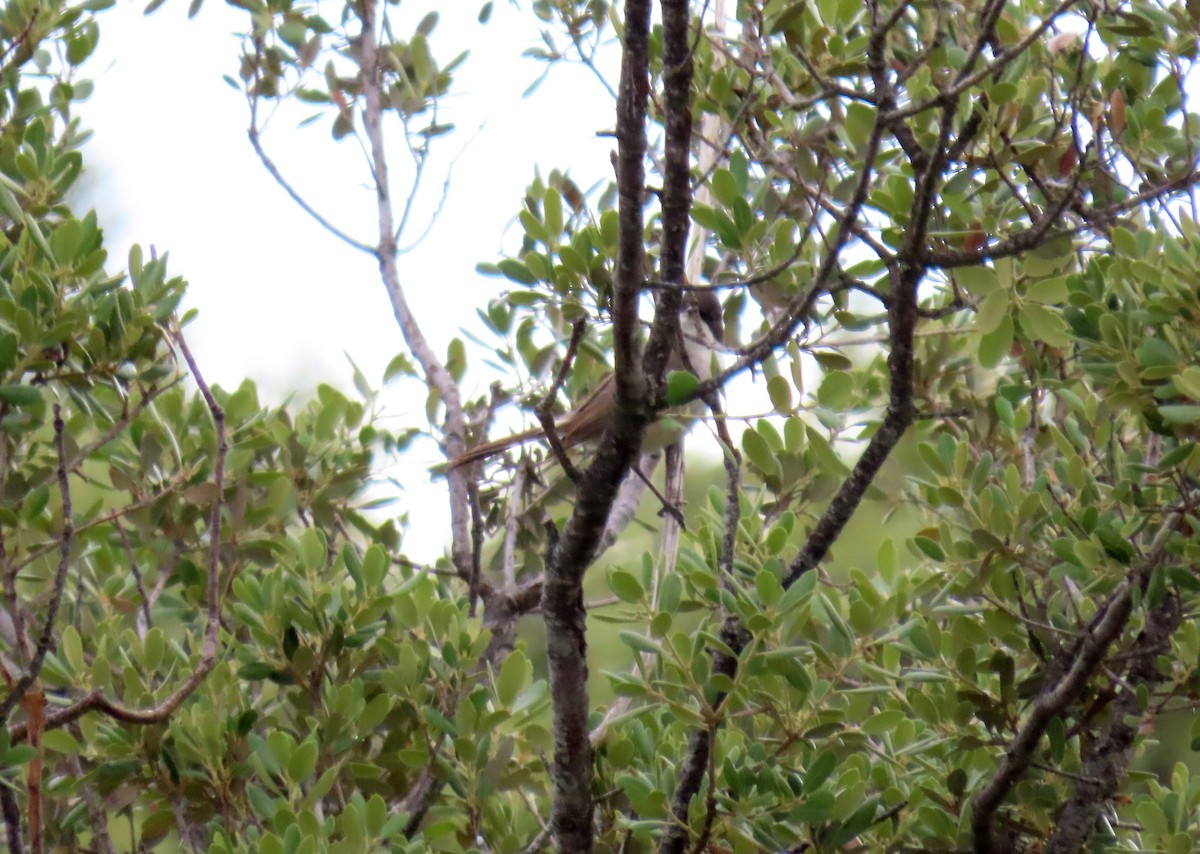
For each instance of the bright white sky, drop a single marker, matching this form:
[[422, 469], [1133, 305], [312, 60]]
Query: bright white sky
[[280, 298]]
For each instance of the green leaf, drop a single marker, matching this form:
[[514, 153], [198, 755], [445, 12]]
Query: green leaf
[[374, 568], [1050, 291], [819, 770], [515, 271], [313, 549], [153, 648], [19, 395], [1188, 413], [681, 385], [1044, 324], [513, 675], [1176, 457], [930, 547], [71, 646], [767, 585], [779, 390], [303, 761], [724, 187], [255, 671], [978, 281], [995, 345], [1152, 818], [837, 390], [992, 310], [759, 452], [882, 722], [552, 214], [625, 586], [639, 643], [376, 815], [1115, 545], [374, 713], [1180, 843], [1188, 382], [61, 741], [18, 755], [800, 590], [1124, 242], [573, 260], [427, 23], [817, 808]]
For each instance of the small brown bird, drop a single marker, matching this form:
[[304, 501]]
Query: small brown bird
[[700, 324]]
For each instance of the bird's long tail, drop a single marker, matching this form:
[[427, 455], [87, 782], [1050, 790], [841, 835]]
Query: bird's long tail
[[489, 449]]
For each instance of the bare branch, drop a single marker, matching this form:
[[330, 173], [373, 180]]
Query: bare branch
[[385, 251], [273, 170]]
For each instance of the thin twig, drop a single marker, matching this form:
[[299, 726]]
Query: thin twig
[[274, 172], [144, 621]]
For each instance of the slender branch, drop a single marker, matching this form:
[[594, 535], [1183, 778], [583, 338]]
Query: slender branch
[[115, 429], [668, 554], [20, 50], [512, 527], [676, 196], [477, 537], [33, 704], [436, 373], [65, 542], [710, 802], [902, 318], [795, 312], [626, 503], [755, 279], [273, 170], [111, 516], [545, 410], [144, 621]]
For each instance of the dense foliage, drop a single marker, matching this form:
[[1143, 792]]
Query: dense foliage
[[957, 250]]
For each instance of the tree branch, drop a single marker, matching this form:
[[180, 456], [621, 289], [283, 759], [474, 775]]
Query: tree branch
[[1107, 754], [562, 597], [273, 171], [65, 541], [1057, 695], [385, 251]]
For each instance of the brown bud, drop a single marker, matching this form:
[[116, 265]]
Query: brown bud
[[1066, 163], [1116, 112], [975, 240]]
